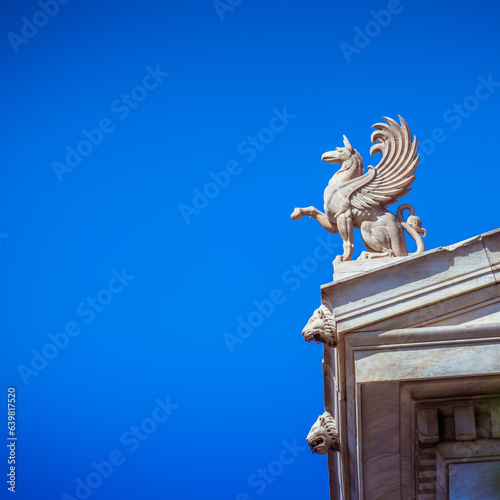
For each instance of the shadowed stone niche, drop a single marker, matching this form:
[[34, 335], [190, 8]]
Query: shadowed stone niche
[[474, 480], [457, 448]]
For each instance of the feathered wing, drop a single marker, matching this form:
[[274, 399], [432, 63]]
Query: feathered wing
[[394, 174]]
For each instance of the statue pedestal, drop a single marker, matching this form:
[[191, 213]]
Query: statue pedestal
[[342, 270], [414, 382]]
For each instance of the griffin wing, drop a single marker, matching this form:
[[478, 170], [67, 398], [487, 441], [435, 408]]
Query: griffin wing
[[394, 174]]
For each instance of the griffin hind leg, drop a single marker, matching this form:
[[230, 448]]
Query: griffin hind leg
[[376, 239], [386, 252]]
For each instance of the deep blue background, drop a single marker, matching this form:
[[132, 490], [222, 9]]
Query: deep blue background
[[162, 336]]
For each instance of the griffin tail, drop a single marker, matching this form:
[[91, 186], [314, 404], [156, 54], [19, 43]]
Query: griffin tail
[[413, 226]]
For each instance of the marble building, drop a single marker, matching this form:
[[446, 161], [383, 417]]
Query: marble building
[[412, 375]]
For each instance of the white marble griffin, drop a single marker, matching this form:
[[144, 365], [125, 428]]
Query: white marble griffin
[[355, 199]]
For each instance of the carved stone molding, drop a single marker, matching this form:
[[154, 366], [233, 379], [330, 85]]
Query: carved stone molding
[[321, 327], [323, 436], [448, 431]]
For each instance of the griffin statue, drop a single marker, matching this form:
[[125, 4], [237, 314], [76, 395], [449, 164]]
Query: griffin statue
[[354, 199]]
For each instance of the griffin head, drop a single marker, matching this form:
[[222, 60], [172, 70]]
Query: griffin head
[[347, 156], [340, 155]]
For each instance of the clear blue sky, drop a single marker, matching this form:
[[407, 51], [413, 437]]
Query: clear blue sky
[[152, 154]]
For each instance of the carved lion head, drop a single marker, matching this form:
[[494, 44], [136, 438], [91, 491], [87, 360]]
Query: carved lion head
[[321, 327], [323, 435]]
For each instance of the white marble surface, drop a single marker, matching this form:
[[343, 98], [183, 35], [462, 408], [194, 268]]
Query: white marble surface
[[420, 362]]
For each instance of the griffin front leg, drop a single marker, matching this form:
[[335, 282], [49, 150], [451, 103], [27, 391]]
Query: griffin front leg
[[345, 225], [314, 213]]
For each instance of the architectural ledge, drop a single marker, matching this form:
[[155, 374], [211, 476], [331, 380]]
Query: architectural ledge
[[365, 292]]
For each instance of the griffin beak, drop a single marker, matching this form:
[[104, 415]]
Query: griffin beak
[[330, 157]]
